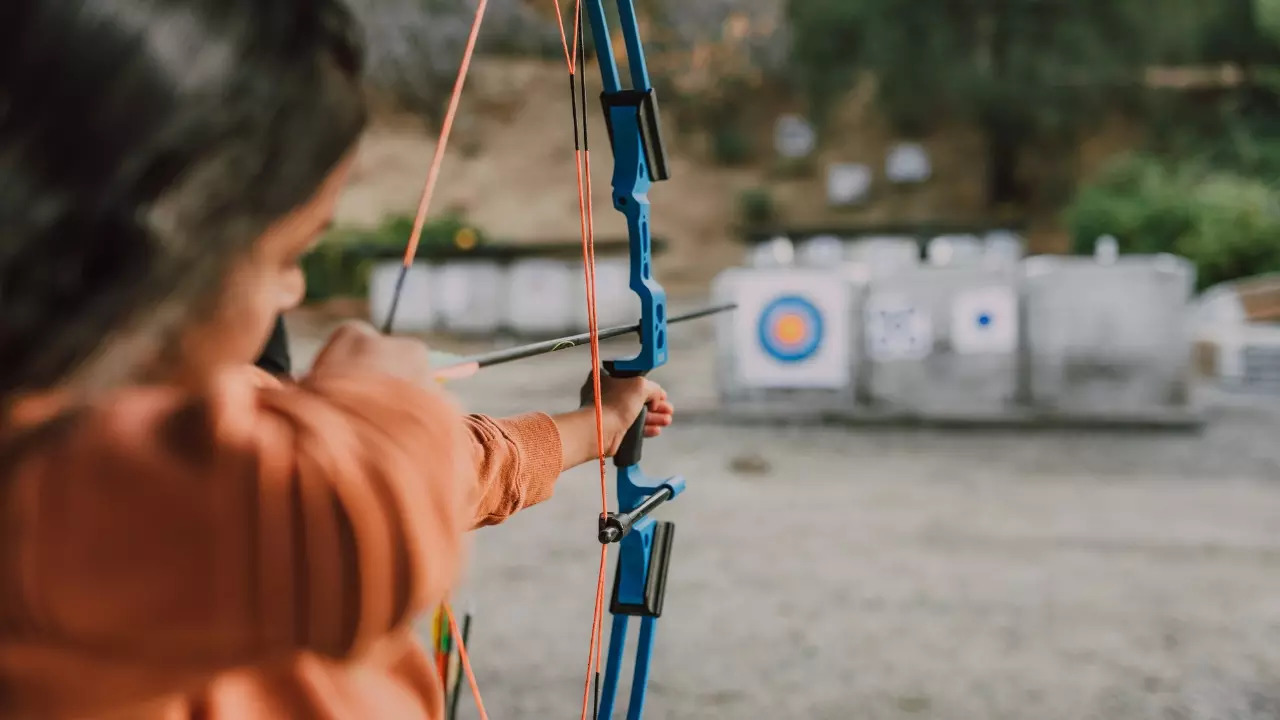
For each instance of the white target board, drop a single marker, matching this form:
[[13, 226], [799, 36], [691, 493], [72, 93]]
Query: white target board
[[416, 312], [470, 297], [895, 328], [616, 302], [541, 297], [791, 329], [985, 321], [848, 183]]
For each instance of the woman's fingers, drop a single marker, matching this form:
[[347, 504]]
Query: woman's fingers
[[660, 415], [661, 407]]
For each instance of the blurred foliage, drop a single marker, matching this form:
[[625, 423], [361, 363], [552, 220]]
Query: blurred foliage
[[1031, 75], [1239, 133], [731, 145], [414, 46], [1242, 32], [756, 208], [333, 270], [824, 58], [710, 61], [443, 234], [340, 263], [1026, 73], [1268, 12], [1225, 223], [725, 115]]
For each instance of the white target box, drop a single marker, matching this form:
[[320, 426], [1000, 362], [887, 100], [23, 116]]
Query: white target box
[[941, 343], [896, 327], [416, 312], [470, 296], [791, 329], [985, 321]]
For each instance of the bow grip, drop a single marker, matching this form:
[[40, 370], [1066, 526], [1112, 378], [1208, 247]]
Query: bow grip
[[629, 451]]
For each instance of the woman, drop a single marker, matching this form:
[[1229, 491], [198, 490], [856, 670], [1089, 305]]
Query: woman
[[182, 535]]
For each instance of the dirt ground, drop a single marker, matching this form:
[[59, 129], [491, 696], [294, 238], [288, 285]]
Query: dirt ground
[[830, 573]]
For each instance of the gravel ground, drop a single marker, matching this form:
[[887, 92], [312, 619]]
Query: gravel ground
[[888, 573]]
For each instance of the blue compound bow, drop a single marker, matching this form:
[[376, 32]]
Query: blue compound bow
[[631, 115], [644, 544]]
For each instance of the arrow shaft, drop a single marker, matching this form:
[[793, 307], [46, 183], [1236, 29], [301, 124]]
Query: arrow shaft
[[543, 347]]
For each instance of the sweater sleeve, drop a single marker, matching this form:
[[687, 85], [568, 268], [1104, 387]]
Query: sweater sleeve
[[518, 461], [198, 534]]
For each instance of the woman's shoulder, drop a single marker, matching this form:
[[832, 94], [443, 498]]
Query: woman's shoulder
[[136, 416]]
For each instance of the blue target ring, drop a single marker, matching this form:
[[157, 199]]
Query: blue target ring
[[790, 329]]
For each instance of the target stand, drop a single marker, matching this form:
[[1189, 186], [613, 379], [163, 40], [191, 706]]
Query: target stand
[[941, 344], [787, 352]]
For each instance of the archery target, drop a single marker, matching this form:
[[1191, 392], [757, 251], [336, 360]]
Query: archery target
[[985, 320], [791, 329], [541, 296], [416, 312], [616, 302], [470, 296], [896, 329]]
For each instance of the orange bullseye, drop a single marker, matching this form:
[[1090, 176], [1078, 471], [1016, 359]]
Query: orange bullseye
[[790, 329]]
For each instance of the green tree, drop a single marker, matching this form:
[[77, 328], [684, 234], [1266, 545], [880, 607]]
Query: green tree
[[1268, 14], [1234, 128], [824, 52], [1029, 73], [1244, 33]]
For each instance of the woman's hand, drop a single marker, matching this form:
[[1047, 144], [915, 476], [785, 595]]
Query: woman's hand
[[622, 399], [356, 347]]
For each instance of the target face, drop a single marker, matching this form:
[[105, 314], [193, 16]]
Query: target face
[[896, 329], [985, 320], [790, 329]]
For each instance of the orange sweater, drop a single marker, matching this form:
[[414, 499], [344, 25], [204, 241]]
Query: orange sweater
[[255, 551]]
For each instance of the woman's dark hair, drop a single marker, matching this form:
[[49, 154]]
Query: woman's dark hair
[[144, 146]]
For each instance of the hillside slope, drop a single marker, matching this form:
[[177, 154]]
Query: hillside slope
[[509, 169]]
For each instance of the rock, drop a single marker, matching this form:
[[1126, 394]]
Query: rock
[[750, 464]]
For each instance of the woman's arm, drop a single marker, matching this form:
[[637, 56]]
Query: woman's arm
[[507, 447], [179, 535], [183, 536]]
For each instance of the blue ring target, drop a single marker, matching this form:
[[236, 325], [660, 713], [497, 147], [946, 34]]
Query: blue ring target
[[790, 329]]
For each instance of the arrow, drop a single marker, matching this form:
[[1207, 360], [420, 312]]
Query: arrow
[[455, 367]]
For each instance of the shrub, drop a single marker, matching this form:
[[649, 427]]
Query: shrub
[[340, 264], [442, 234], [414, 45], [1225, 223], [756, 207], [730, 145], [1137, 200], [1236, 232]]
